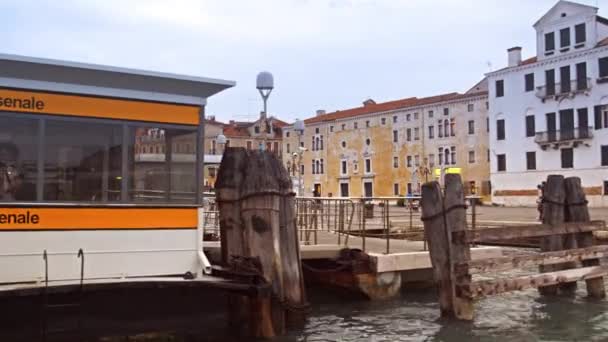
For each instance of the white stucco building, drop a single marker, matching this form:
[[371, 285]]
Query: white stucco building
[[549, 113]]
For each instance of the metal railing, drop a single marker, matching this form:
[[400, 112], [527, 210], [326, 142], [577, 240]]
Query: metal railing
[[578, 133], [386, 218], [334, 220], [556, 89]]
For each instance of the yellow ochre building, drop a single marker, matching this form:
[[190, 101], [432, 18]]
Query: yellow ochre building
[[391, 148]]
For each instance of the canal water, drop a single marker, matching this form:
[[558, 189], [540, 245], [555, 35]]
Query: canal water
[[518, 316]]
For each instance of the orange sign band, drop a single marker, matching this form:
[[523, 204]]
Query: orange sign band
[[97, 218], [84, 106]]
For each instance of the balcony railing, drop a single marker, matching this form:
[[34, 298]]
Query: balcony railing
[[558, 89], [579, 133]]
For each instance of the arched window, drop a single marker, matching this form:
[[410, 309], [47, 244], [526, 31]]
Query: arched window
[[321, 167], [447, 156]]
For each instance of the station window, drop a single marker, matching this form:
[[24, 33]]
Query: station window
[[18, 159], [89, 160], [83, 161]]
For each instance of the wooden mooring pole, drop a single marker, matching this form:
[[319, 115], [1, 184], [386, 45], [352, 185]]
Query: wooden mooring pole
[[567, 242], [258, 235], [442, 216]]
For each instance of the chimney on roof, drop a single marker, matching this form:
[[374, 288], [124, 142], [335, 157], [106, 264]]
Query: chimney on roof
[[514, 56], [320, 112], [368, 102]]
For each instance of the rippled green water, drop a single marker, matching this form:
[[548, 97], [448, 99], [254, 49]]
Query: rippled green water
[[519, 316]]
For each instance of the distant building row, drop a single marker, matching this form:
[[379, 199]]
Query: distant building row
[[544, 115]]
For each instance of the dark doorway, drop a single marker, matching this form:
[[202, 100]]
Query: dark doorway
[[368, 189], [317, 190], [344, 189]]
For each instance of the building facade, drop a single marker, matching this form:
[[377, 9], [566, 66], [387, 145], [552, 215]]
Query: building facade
[[548, 113], [252, 135], [391, 148]]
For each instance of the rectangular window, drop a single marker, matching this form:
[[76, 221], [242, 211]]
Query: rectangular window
[[530, 126], [471, 157], [431, 114], [415, 116], [488, 155], [367, 123], [471, 126], [409, 161], [580, 34], [549, 41], [597, 116], [500, 88], [395, 119], [581, 76], [550, 81], [470, 107], [531, 160], [440, 155], [604, 155], [605, 187], [431, 132], [395, 136], [343, 127], [249, 145], [603, 66], [440, 129], [452, 127], [453, 153], [302, 169], [343, 169], [408, 134], [395, 162], [501, 162], [529, 80], [288, 149], [564, 37], [488, 125], [567, 158], [396, 189], [383, 121], [446, 111], [368, 165], [417, 160], [83, 162], [500, 129], [322, 167], [331, 128], [19, 159], [416, 133], [355, 125], [583, 123], [564, 79], [408, 117], [431, 160]]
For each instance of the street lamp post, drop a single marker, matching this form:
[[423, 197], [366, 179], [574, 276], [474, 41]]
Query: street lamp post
[[299, 127], [265, 84]]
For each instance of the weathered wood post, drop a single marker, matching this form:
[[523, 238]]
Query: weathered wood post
[[258, 224], [441, 217], [456, 220], [553, 199], [577, 211]]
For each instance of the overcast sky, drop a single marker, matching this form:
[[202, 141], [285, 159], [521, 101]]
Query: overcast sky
[[324, 54]]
